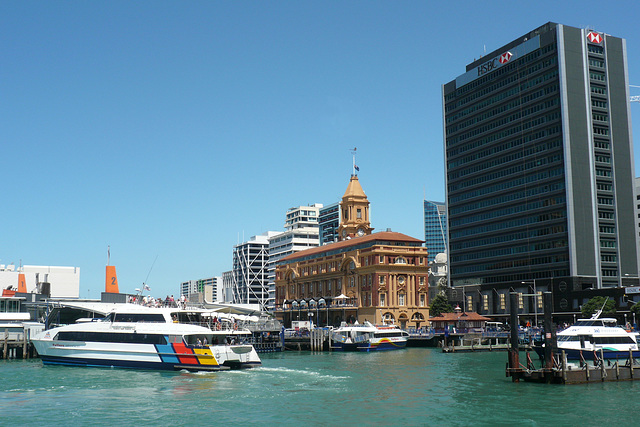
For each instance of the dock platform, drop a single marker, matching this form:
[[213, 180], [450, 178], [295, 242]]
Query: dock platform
[[564, 373], [15, 346]]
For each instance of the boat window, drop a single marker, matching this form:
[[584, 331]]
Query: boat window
[[139, 317], [108, 318], [566, 338], [389, 334], [193, 339], [613, 340], [188, 317], [173, 339], [113, 337]]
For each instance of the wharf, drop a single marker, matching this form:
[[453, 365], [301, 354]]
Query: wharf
[[320, 340], [475, 347], [15, 346], [564, 373], [556, 369]]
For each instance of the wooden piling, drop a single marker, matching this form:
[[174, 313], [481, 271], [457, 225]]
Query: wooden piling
[[24, 344], [514, 355]]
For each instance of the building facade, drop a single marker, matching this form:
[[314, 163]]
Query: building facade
[[539, 170], [227, 287], [250, 282], [329, 222], [57, 282], [202, 290], [301, 232], [435, 228], [380, 277]]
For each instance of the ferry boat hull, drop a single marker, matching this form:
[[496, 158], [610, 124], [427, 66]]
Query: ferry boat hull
[[368, 337], [171, 348], [382, 345]]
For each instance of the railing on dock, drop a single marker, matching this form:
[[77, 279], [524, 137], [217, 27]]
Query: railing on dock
[[562, 372]]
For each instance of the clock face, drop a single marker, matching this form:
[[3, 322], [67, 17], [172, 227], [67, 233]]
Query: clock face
[[360, 232]]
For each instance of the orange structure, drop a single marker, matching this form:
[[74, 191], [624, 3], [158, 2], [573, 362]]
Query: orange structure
[[22, 283], [111, 282]]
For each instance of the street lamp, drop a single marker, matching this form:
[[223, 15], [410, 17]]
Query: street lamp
[[535, 300]]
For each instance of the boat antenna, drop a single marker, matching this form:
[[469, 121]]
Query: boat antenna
[[144, 284], [599, 312]]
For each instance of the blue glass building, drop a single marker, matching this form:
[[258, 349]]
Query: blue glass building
[[435, 228]]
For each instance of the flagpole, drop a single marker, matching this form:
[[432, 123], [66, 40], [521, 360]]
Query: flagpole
[[353, 152]]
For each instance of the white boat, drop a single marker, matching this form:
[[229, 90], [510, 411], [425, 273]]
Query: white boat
[[596, 336], [144, 338], [368, 337], [15, 324]]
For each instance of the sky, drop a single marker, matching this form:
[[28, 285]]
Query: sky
[[170, 131]]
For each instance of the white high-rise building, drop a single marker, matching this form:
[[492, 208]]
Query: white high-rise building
[[209, 289], [301, 232], [250, 258]]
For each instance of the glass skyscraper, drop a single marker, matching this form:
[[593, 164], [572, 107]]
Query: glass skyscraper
[[435, 228]]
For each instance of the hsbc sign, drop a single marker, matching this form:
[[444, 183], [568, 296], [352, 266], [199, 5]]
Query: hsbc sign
[[504, 58], [594, 37], [494, 63]]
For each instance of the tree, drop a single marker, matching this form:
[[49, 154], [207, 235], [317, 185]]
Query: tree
[[596, 303], [635, 308], [440, 305]]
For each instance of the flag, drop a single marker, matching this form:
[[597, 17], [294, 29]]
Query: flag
[[356, 168], [146, 287]]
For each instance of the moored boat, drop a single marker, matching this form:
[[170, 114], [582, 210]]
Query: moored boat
[[145, 339], [595, 338], [368, 337]]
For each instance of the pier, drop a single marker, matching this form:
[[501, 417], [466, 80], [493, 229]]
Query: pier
[[556, 369], [563, 372], [15, 345]]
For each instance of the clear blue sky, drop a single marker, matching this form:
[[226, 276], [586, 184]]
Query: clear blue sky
[[170, 129]]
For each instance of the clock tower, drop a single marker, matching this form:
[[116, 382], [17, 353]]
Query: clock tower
[[354, 208]]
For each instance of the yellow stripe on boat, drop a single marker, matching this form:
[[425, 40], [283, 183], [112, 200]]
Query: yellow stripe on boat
[[205, 357]]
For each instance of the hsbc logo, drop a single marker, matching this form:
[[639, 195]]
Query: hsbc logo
[[505, 57], [494, 63], [594, 37]]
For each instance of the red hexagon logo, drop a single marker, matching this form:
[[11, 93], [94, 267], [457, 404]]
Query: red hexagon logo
[[594, 37], [505, 57]]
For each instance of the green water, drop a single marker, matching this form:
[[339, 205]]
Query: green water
[[408, 387]]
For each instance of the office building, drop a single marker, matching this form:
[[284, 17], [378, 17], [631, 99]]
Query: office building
[[329, 222], [250, 283], [202, 290], [301, 232], [540, 171], [435, 228]]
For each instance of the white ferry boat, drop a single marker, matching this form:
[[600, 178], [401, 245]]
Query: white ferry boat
[[587, 337], [368, 337], [145, 339]]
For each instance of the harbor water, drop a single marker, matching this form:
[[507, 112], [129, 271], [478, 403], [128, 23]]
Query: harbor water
[[416, 386]]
